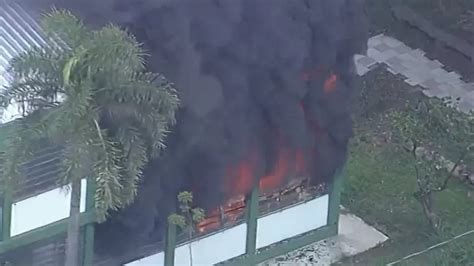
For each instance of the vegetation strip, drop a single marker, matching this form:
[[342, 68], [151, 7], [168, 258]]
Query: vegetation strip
[[410, 16], [431, 248]]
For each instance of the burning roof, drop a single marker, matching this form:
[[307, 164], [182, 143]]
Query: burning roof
[[266, 89]]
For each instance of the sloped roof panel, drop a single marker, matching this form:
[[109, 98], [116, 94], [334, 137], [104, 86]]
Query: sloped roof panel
[[18, 32]]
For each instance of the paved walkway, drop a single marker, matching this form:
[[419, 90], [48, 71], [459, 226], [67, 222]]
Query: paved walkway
[[417, 69], [355, 237]]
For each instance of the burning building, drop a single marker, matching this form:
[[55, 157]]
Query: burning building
[[266, 89]]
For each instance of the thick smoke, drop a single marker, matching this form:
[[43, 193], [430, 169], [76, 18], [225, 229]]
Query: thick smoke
[[251, 75]]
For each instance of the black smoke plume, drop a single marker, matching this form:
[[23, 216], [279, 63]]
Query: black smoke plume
[[253, 75]]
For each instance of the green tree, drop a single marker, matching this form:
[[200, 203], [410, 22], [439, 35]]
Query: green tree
[[88, 92], [441, 139], [187, 218]]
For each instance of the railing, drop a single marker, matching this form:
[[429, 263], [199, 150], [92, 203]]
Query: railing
[[259, 237], [41, 215]]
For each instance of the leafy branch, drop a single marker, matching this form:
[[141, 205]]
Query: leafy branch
[[187, 218], [426, 128]]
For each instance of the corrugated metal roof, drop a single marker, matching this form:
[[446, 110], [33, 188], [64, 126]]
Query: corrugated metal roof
[[40, 174], [18, 32]]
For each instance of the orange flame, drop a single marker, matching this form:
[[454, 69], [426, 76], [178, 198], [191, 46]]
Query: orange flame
[[300, 163], [276, 177], [241, 176], [288, 163], [330, 84]]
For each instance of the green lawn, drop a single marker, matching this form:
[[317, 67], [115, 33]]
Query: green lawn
[[379, 186], [381, 181]]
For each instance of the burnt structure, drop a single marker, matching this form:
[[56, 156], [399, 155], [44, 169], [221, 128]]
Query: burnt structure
[[266, 89]]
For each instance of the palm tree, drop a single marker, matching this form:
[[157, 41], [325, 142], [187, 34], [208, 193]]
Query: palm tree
[[88, 92]]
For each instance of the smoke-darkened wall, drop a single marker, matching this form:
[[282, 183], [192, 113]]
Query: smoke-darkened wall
[[262, 83]]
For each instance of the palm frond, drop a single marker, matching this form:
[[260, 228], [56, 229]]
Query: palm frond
[[76, 161], [35, 82], [63, 27], [115, 51], [25, 137], [91, 96], [38, 61], [141, 89], [108, 172], [135, 159], [150, 106], [79, 100], [152, 126], [32, 94]]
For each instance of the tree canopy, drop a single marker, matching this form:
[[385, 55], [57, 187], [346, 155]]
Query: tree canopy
[[424, 129], [88, 92]]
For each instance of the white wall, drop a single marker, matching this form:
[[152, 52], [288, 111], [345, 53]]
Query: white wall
[[155, 260], [231, 243], [214, 248], [206, 251], [43, 209], [10, 113], [293, 221]]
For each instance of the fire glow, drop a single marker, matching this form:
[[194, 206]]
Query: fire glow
[[287, 163], [265, 93], [290, 166], [330, 83]]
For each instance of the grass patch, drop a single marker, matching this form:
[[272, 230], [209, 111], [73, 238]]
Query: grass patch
[[379, 188], [381, 181]]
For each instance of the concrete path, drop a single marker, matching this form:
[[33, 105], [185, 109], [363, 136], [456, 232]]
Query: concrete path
[[355, 236], [417, 69]]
